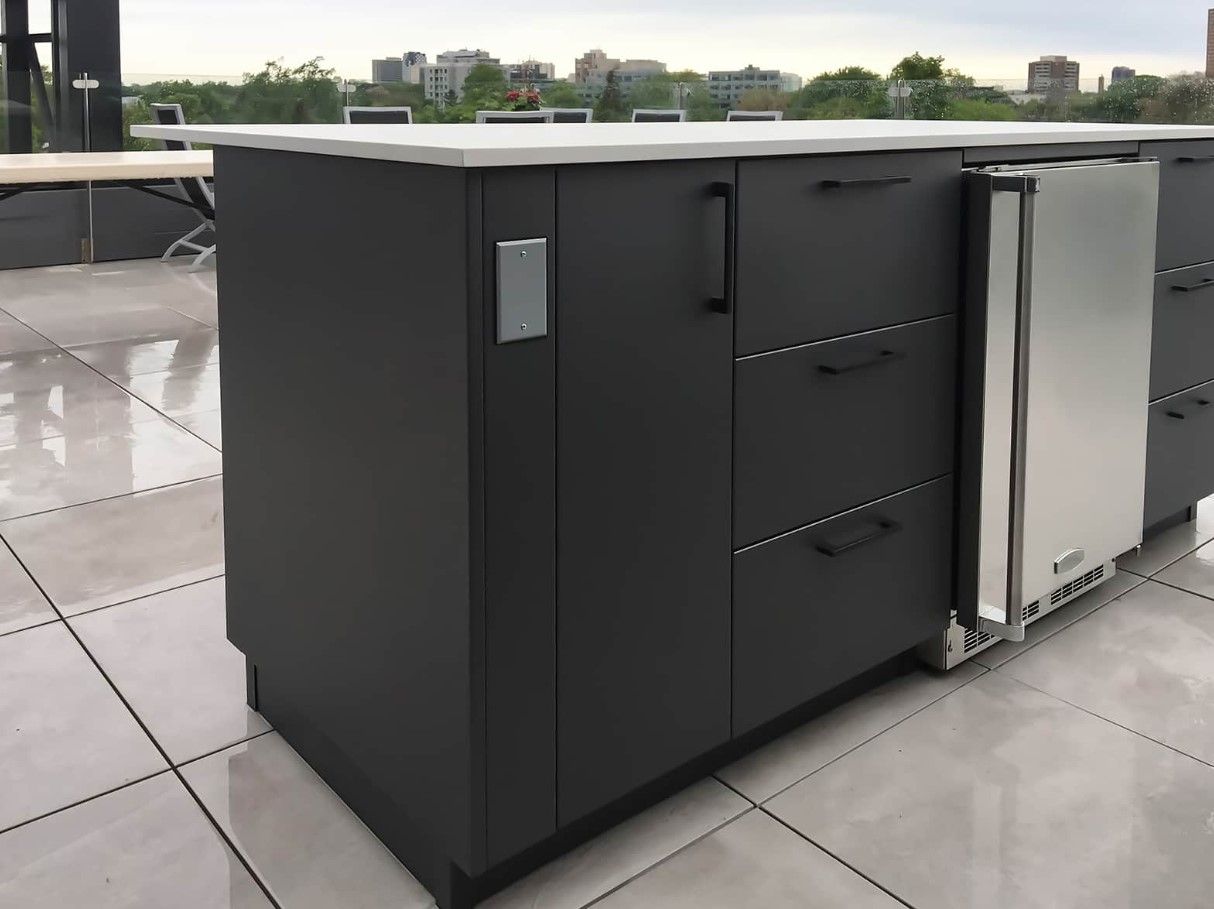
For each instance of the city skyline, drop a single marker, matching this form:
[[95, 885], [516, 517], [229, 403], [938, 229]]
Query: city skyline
[[1164, 38]]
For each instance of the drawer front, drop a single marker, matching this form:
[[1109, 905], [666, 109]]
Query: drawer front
[[1186, 202], [815, 608], [1180, 452], [828, 246], [825, 427], [1182, 334]]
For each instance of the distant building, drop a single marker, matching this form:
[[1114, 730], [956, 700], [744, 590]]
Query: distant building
[[790, 82], [387, 69], [591, 69], [529, 71], [1122, 73], [1210, 44], [449, 71], [1052, 73], [727, 87]]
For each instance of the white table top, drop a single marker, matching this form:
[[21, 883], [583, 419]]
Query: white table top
[[72, 167], [496, 145]]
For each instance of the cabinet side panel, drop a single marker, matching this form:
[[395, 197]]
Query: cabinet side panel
[[346, 396], [520, 533]]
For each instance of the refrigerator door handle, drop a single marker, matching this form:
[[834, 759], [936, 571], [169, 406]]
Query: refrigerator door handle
[[1008, 622]]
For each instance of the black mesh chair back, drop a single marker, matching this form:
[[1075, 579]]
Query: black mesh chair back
[[360, 115], [572, 114], [755, 115], [514, 116], [641, 115], [195, 188]]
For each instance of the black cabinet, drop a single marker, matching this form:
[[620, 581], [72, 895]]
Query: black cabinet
[[1182, 333], [1186, 202], [644, 401], [1180, 452], [828, 426], [828, 246], [814, 608]]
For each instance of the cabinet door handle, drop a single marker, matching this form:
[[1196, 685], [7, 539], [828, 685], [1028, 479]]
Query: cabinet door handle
[[1203, 284], [885, 356], [1180, 415], [866, 181], [724, 303], [884, 528], [1195, 159]]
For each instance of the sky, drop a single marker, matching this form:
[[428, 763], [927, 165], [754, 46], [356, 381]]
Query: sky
[[990, 40]]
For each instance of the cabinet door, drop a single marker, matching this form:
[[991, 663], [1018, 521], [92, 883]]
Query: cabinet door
[[644, 384], [1186, 202]]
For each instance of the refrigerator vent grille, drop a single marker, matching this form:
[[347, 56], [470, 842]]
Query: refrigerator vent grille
[[1070, 588], [1031, 610], [974, 639]]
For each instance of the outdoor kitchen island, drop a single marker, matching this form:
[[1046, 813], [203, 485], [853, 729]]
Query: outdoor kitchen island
[[628, 446]]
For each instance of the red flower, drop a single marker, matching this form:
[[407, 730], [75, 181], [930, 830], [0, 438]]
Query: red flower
[[512, 95]]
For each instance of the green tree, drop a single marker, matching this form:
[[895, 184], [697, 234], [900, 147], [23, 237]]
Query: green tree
[[562, 94], [610, 107], [918, 67], [846, 93], [1128, 100], [657, 91], [280, 94]]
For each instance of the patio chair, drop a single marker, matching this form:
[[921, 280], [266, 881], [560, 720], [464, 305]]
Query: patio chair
[[755, 115], [195, 189], [648, 115], [360, 115], [514, 116], [571, 114]]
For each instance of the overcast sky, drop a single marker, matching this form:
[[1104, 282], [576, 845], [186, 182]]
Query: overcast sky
[[990, 40]]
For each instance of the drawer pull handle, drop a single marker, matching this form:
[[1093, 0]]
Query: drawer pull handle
[[1195, 159], [1178, 415], [724, 303], [1203, 284], [886, 356], [884, 528], [865, 181]]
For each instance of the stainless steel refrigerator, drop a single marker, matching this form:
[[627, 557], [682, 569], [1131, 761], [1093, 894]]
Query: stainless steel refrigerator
[[1056, 361]]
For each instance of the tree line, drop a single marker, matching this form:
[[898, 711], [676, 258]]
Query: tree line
[[309, 93]]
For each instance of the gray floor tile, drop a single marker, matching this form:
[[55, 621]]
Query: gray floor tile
[[1145, 661], [794, 756], [106, 552], [44, 394], [122, 359], [67, 470], [176, 392], [625, 851], [17, 338], [64, 734], [146, 845], [1165, 548], [22, 605], [752, 861], [299, 838], [70, 326], [1195, 572], [207, 426], [1054, 622], [169, 656], [1001, 796]]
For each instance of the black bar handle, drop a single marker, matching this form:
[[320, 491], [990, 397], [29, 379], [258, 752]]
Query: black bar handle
[[1203, 284], [1177, 415], [885, 356], [1195, 159], [866, 181], [884, 528], [724, 303]]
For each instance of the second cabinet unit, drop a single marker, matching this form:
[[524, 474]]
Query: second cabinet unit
[[812, 609], [829, 426], [1182, 333], [828, 246], [1186, 202], [643, 452], [1180, 450]]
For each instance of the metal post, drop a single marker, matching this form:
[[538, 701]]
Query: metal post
[[85, 84]]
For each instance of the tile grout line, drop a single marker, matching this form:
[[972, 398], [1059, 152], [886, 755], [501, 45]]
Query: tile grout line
[[1105, 719], [171, 767], [83, 801], [1204, 596], [666, 858], [120, 495], [735, 790], [840, 757], [142, 596], [845, 864]]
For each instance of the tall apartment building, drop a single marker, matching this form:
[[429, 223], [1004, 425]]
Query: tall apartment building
[[529, 71], [591, 69], [1053, 72], [1210, 44], [449, 71], [387, 69], [1122, 73], [727, 87]]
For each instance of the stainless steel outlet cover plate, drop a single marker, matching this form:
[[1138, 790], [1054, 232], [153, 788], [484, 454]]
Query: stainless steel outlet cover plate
[[522, 290]]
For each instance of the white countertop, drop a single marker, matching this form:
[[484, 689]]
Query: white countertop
[[498, 145], [73, 167]]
